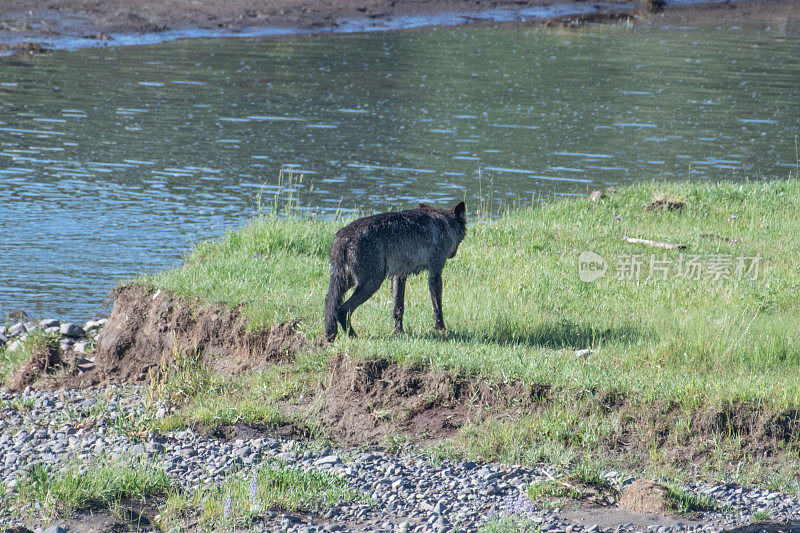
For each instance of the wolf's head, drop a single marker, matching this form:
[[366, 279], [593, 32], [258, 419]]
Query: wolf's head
[[458, 224]]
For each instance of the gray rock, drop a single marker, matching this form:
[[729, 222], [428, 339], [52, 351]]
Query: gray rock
[[55, 529], [49, 323], [16, 329], [68, 329], [80, 346], [328, 460]]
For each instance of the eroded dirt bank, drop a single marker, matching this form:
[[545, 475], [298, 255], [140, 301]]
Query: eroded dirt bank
[[365, 401], [147, 326]]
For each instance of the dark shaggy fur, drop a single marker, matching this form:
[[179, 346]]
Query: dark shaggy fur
[[368, 250]]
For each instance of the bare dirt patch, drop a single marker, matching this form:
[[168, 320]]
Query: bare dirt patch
[[610, 517], [646, 497], [45, 359], [364, 401], [147, 326], [255, 431], [136, 515]]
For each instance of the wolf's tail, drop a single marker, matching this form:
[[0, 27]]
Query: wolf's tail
[[333, 301]]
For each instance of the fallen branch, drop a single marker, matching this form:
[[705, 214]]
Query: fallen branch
[[658, 244]]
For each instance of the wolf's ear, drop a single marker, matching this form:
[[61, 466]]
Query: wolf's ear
[[424, 206], [460, 210]]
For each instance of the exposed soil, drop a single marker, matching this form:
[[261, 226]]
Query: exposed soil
[[364, 401], [607, 518], [100, 18], [147, 326], [45, 359], [645, 496], [255, 431], [129, 515]]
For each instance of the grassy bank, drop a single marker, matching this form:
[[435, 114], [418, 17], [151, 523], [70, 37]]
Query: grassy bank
[[711, 327], [516, 307]]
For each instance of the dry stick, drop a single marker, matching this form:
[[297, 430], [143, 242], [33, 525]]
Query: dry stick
[[658, 244], [550, 476]]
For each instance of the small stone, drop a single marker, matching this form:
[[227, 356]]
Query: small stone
[[16, 329], [55, 529], [137, 450], [583, 354], [327, 460], [68, 329], [49, 323]]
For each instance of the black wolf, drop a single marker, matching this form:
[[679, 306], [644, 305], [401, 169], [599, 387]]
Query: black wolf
[[368, 250]]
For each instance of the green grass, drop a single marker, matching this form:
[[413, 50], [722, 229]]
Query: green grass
[[11, 361], [103, 484], [682, 502], [254, 398], [274, 486], [516, 308], [509, 523], [584, 481], [761, 516]]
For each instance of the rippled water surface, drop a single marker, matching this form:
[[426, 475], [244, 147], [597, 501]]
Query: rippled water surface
[[114, 161]]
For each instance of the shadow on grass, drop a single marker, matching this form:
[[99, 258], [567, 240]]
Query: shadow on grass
[[561, 334]]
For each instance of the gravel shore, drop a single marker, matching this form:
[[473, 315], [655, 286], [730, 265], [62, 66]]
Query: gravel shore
[[410, 492]]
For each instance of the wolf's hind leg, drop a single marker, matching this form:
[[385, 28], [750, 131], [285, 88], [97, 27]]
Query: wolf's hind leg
[[361, 294], [398, 297], [435, 286]]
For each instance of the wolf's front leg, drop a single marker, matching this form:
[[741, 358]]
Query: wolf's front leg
[[398, 297], [435, 285]]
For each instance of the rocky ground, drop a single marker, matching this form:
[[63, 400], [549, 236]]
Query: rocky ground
[[409, 492]]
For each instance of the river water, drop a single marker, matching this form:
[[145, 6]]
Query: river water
[[113, 162]]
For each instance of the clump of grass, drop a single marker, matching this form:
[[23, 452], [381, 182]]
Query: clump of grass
[[102, 484], [584, 481], [517, 514], [37, 342], [681, 502], [254, 398], [274, 486], [178, 380], [509, 523], [556, 434], [553, 489]]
